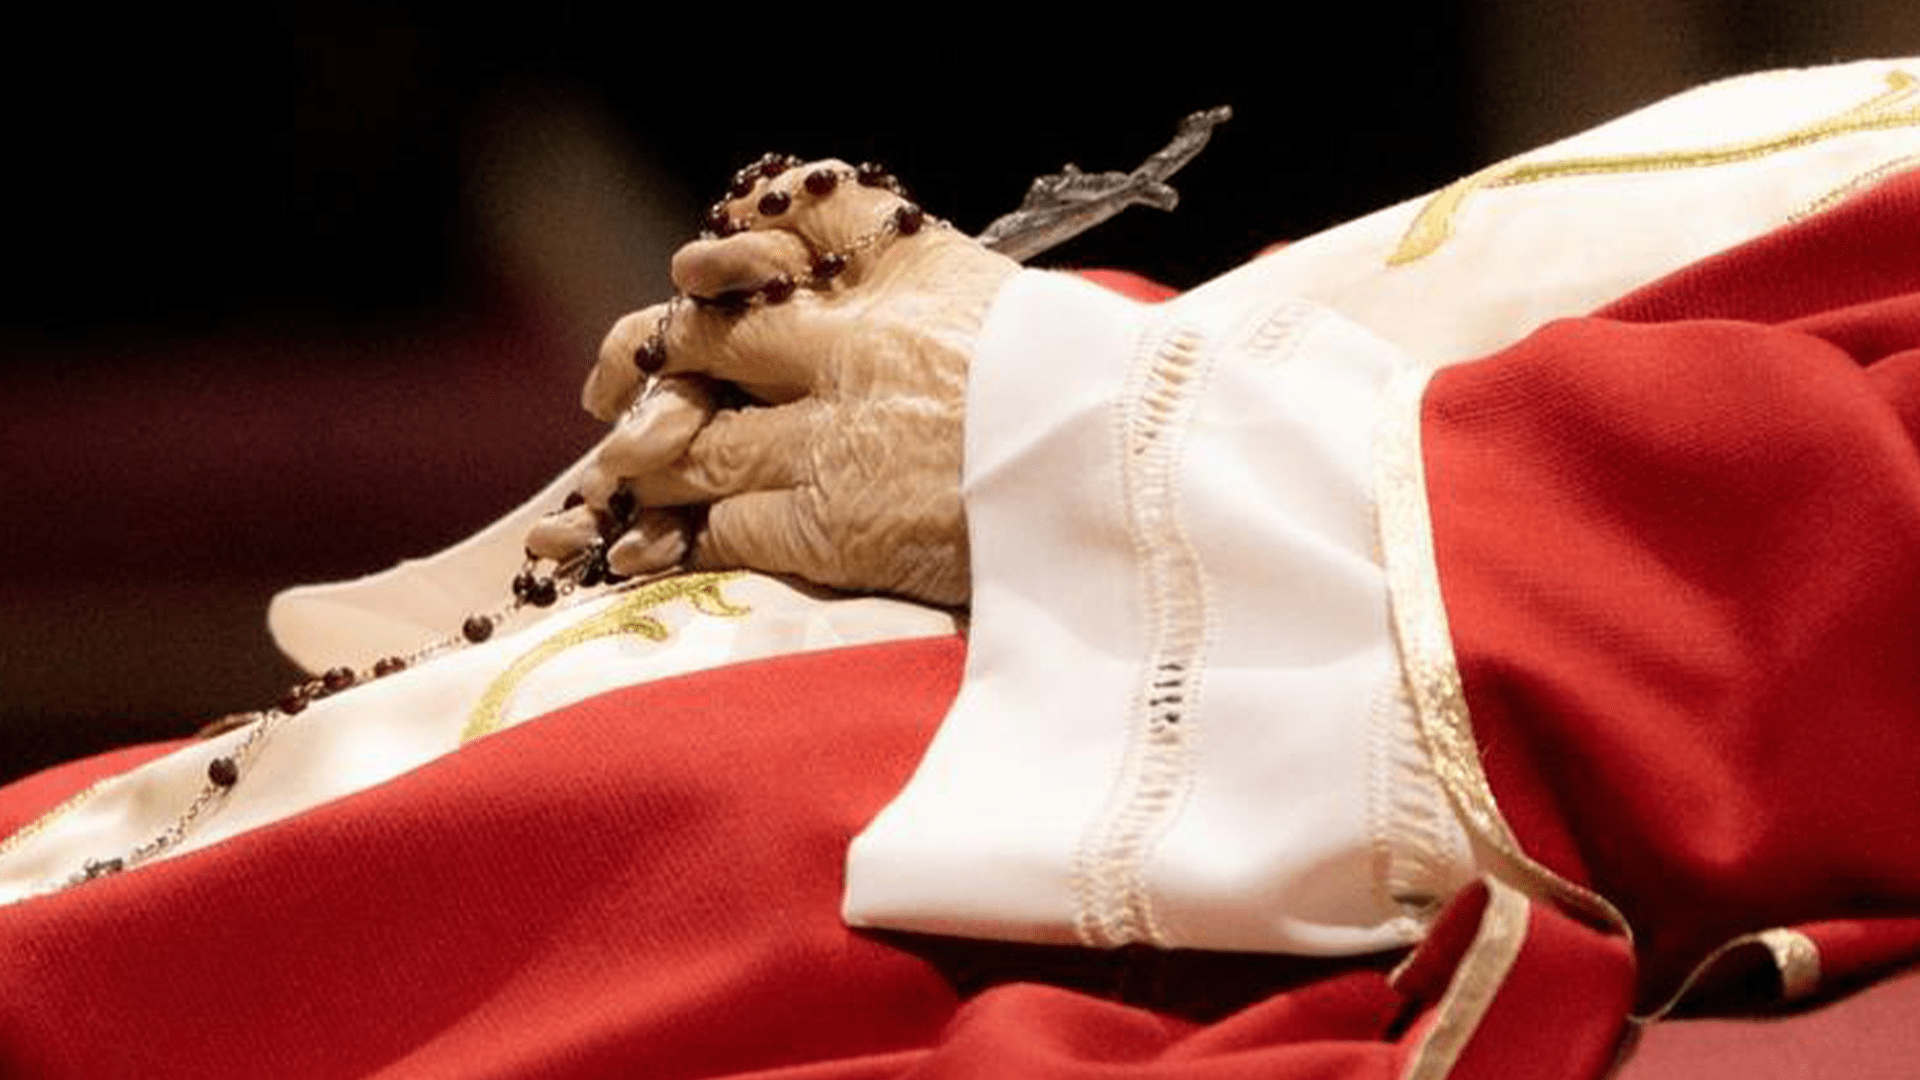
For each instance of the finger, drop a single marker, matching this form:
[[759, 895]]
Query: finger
[[767, 349], [597, 485], [658, 540], [752, 449], [662, 425], [563, 534], [768, 531], [741, 263], [839, 211], [754, 346], [617, 376]]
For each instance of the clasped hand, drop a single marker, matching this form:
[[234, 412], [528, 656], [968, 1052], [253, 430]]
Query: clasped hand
[[843, 467]]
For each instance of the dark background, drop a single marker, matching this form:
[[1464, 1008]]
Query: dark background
[[300, 289]]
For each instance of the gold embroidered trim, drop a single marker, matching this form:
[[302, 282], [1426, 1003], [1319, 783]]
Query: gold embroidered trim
[[1476, 982], [1854, 187], [1796, 959], [628, 615], [1419, 618], [1434, 225], [45, 821], [1109, 873], [1415, 843]]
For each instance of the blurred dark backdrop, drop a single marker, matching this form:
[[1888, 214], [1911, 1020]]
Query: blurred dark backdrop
[[299, 289]]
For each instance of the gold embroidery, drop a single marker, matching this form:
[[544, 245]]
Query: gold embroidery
[[1419, 618], [1795, 958], [1433, 226], [44, 821], [628, 615], [1477, 981], [1854, 187]]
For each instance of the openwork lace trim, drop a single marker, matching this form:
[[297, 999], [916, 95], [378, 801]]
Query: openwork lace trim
[[1420, 628], [1115, 905]]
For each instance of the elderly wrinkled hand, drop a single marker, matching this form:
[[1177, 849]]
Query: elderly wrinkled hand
[[847, 319]]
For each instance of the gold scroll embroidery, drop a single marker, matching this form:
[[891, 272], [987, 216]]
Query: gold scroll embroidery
[[1434, 225], [1425, 640], [631, 614]]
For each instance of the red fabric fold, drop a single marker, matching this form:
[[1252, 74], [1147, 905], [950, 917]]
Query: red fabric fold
[[1680, 553], [648, 884]]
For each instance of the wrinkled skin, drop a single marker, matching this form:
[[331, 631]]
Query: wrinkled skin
[[846, 470]]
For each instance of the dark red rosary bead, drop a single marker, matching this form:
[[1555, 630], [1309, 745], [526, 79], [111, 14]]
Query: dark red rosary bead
[[773, 165], [650, 357], [774, 203], [608, 526], [223, 771], [719, 221], [908, 219], [337, 679], [622, 506], [872, 174], [477, 628], [387, 665], [596, 570], [822, 181], [777, 289], [293, 701], [829, 266], [543, 593], [743, 182]]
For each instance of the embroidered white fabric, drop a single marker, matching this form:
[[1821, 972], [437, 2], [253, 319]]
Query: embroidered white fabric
[[1167, 732]]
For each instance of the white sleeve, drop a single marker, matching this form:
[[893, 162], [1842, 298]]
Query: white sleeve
[[1182, 720]]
